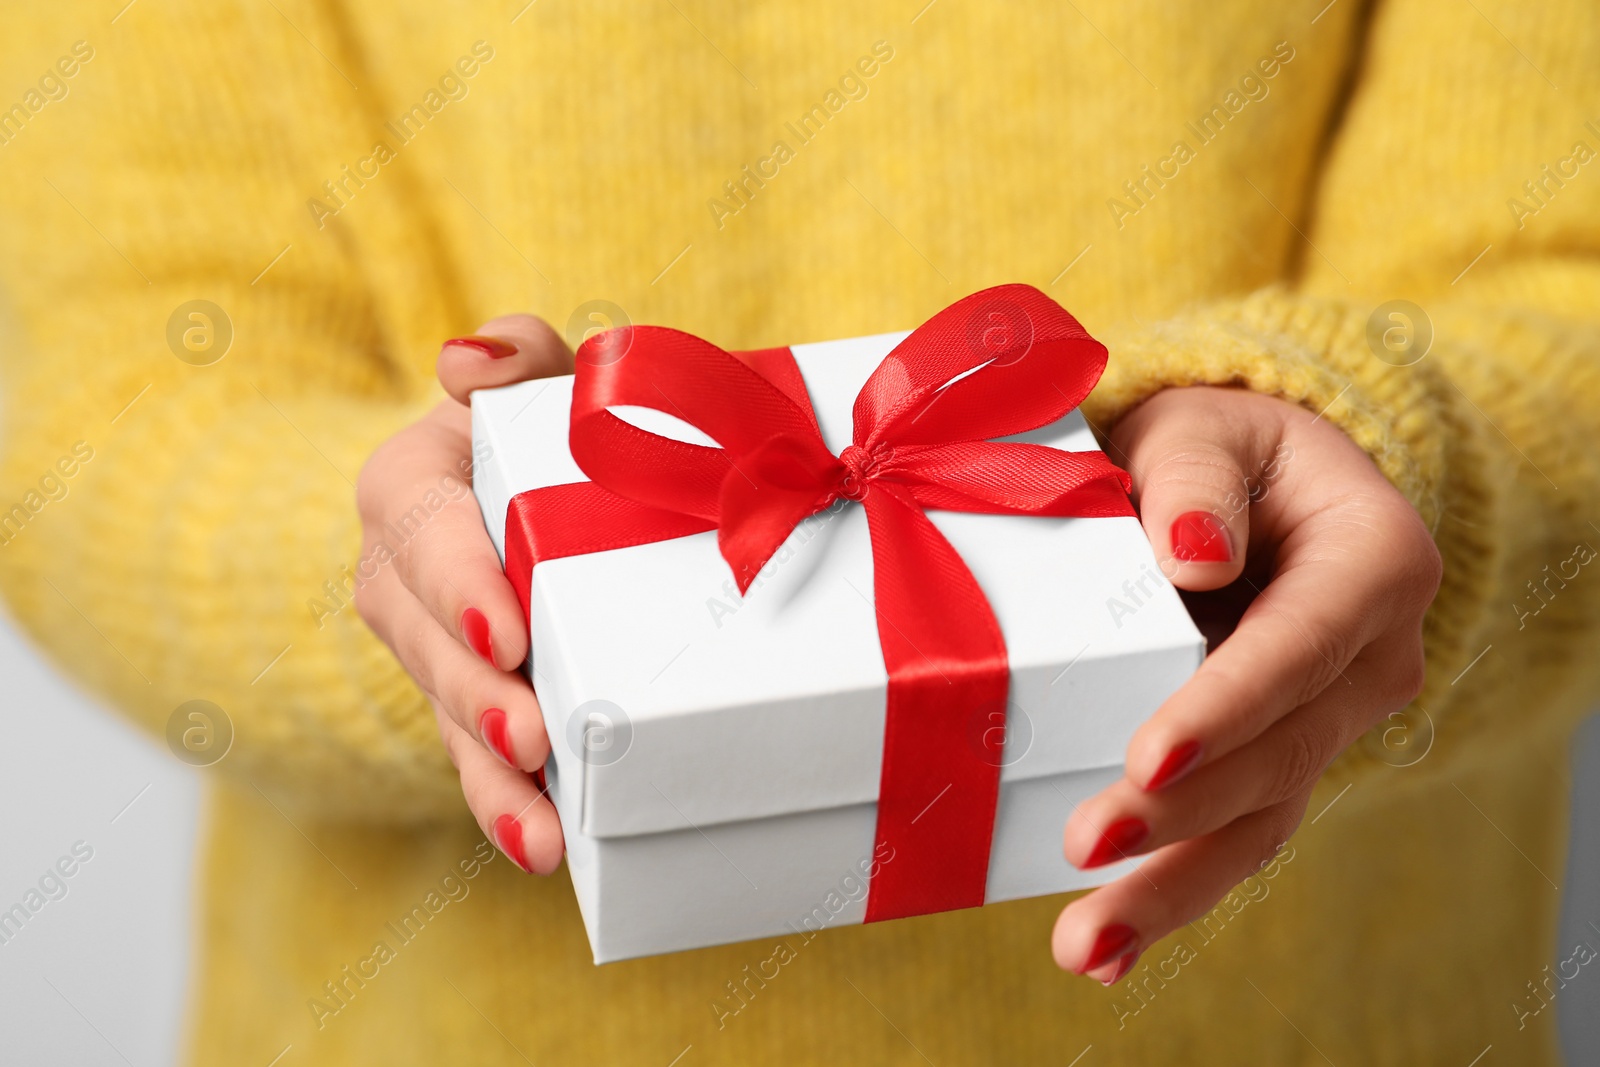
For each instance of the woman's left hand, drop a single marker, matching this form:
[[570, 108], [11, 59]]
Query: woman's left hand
[[1333, 571]]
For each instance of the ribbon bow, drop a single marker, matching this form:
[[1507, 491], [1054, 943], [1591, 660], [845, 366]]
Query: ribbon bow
[[1000, 362]]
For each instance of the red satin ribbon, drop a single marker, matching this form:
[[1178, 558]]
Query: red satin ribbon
[[1000, 362]]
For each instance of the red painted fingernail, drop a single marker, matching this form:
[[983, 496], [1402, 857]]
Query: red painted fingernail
[[492, 728], [1124, 965], [1112, 941], [1116, 841], [1200, 537], [492, 347], [1179, 762], [508, 835], [475, 628]]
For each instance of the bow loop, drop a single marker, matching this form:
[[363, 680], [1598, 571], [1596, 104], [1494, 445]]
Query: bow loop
[[1000, 362], [680, 375]]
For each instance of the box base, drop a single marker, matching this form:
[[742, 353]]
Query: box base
[[797, 874]]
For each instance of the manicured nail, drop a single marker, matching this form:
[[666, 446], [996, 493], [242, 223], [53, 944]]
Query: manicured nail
[[1200, 537], [492, 728], [508, 835], [1124, 965], [1116, 841], [1179, 762], [1112, 941], [475, 628], [492, 347]]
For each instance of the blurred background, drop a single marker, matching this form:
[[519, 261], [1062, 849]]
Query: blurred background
[[99, 976], [96, 976]]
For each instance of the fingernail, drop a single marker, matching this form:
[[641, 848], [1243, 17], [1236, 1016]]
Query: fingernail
[[1179, 762], [1199, 537], [1112, 941], [475, 628], [1116, 841], [492, 347], [508, 835], [492, 728], [1124, 965]]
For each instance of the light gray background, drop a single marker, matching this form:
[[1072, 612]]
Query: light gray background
[[98, 976]]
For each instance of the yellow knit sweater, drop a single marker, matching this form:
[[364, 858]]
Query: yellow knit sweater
[[1224, 192]]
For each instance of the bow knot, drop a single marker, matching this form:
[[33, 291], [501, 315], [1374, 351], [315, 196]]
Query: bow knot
[[859, 465]]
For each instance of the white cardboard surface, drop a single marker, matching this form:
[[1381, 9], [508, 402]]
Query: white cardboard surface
[[716, 759]]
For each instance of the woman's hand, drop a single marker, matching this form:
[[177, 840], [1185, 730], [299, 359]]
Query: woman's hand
[[441, 601], [1283, 531]]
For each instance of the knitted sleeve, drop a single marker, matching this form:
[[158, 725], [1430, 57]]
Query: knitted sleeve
[[1447, 316], [195, 368]]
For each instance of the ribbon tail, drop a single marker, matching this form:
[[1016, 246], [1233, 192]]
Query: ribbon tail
[[944, 733]]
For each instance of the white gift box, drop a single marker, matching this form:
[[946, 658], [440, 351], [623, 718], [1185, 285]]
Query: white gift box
[[716, 758]]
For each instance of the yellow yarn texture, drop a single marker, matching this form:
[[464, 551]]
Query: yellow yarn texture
[[235, 235]]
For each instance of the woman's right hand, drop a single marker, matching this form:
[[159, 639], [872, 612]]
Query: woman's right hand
[[440, 599]]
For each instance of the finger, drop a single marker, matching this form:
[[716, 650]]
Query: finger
[[1345, 580], [1192, 458], [420, 514], [1176, 885], [451, 567], [495, 708], [511, 348], [1353, 560], [509, 807], [1285, 761]]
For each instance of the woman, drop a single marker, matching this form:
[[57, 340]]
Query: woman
[[1345, 260]]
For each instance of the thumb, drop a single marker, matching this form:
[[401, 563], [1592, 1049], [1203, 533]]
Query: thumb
[[1188, 461], [511, 348]]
